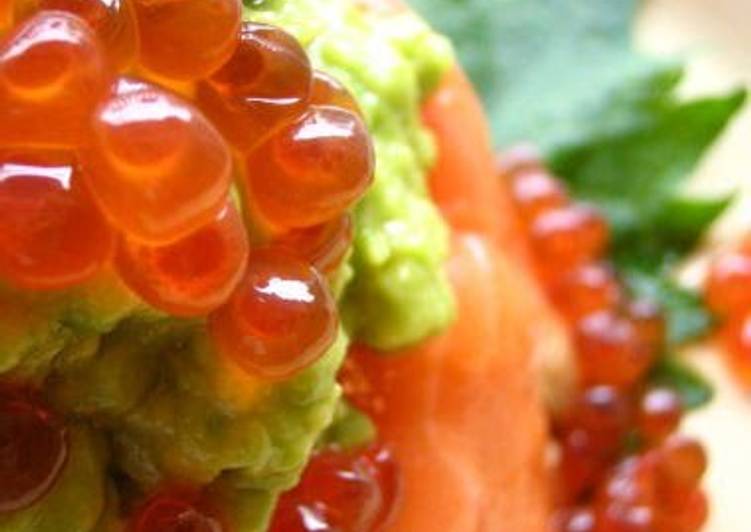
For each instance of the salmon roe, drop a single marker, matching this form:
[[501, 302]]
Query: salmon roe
[[176, 511], [158, 141], [311, 169], [192, 276], [51, 235], [728, 294], [620, 462], [341, 490], [173, 47], [112, 20], [157, 167], [51, 70], [281, 318], [264, 84], [90, 157], [33, 448]]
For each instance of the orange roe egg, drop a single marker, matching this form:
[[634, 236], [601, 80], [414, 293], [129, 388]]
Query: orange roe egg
[[519, 159], [280, 320], [51, 72], [33, 449], [347, 491], [535, 191], [192, 276], [646, 317], [575, 520], [264, 84], [157, 167], [610, 351], [681, 463], [688, 515], [6, 14], [311, 170], [112, 20], [324, 246], [583, 462], [175, 512], [189, 39], [626, 501], [327, 90], [568, 236], [604, 412], [728, 288], [736, 337], [51, 234], [588, 288], [660, 411]]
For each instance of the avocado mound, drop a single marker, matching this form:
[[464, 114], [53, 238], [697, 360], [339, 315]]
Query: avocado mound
[[147, 397]]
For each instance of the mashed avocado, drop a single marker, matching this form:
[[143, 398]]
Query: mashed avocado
[[149, 398]]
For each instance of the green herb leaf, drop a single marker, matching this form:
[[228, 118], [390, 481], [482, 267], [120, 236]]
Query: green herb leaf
[[686, 316], [555, 72], [635, 176], [694, 390]]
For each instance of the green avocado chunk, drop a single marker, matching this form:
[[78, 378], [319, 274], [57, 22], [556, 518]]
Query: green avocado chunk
[[148, 399]]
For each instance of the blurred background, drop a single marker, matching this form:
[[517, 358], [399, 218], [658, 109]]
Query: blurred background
[[714, 37]]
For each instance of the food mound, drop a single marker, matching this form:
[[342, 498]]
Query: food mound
[[176, 193]]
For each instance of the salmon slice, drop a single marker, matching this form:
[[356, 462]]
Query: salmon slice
[[463, 412]]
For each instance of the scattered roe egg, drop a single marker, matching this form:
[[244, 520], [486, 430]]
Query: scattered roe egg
[[352, 491], [736, 336], [51, 234], [519, 159], [265, 83], [175, 512], [649, 322], [311, 170], [588, 288], [626, 500], [610, 351], [193, 275], [324, 246], [327, 90], [583, 462], [728, 288], [535, 191], [33, 449], [660, 411], [603, 411], [112, 20], [681, 463], [51, 70], [155, 164], [580, 519], [568, 236], [281, 318], [189, 39]]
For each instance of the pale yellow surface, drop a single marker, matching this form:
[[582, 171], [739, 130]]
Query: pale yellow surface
[[717, 36]]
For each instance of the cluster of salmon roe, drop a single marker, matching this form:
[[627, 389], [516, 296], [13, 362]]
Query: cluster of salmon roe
[[124, 126], [728, 295], [622, 467], [122, 131], [346, 490]]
